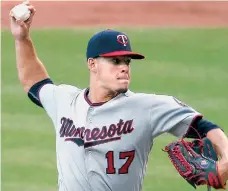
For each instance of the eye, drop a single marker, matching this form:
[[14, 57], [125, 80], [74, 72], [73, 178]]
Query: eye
[[116, 61], [128, 60]]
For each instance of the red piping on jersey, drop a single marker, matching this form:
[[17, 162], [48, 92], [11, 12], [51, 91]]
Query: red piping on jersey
[[192, 124], [86, 93], [89, 102]]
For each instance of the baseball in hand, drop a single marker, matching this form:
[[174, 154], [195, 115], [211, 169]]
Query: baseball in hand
[[21, 12]]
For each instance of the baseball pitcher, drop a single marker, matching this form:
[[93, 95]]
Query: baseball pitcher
[[105, 132]]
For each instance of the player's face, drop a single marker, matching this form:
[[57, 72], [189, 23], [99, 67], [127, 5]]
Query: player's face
[[113, 73]]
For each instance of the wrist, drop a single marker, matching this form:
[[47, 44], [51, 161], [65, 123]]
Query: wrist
[[22, 40]]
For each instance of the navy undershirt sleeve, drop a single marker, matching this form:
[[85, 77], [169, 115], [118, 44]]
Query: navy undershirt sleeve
[[200, 127], [33, 93]]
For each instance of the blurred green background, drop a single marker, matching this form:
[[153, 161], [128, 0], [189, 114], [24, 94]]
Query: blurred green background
[[191, 64]]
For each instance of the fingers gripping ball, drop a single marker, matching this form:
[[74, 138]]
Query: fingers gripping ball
[[21, 12], [196, 162]]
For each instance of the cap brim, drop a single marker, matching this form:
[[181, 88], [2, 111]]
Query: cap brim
[[133, 55]]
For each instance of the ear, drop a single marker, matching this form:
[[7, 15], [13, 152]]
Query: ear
[[92, 64]]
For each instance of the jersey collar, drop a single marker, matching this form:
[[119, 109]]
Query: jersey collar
[[86, 92]]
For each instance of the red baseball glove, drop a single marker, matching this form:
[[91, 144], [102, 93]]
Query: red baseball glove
[[196, 162]]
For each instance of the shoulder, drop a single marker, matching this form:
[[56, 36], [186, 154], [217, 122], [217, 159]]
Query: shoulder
[[65, 90], [59, 92], [146, 96], [140, 100], [154, 99], [68, 88]]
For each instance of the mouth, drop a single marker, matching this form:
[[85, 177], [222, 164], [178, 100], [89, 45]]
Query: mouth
[[123, 78]]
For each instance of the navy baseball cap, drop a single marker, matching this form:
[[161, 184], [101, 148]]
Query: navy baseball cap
[[110, 43]]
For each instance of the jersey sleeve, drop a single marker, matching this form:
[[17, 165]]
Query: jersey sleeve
[[50, 96], [54, 97], [47, 96], [170, 115]]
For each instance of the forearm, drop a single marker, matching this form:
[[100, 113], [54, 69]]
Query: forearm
[[220, 143], [30, 68]]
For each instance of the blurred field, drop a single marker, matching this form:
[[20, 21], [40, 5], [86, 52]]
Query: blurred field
[[188, 63]]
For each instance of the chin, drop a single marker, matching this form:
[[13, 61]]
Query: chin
[[122, 90]]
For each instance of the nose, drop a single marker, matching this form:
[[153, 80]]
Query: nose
[[124, 68]]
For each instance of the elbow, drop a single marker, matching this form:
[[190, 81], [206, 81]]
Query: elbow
[[26, 84], [35, 85], [26, 88], [29, 79]]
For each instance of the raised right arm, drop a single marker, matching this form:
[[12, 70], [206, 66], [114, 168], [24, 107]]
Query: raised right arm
[[30, 68]]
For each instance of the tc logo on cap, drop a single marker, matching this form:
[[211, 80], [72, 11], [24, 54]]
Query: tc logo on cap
[[122, 39]]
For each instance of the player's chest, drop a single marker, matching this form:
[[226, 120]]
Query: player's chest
[[101, 128]]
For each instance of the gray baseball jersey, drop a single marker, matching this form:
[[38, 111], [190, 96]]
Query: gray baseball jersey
[[103, 147]]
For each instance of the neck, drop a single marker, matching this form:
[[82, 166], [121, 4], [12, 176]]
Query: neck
[[99, 95]]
